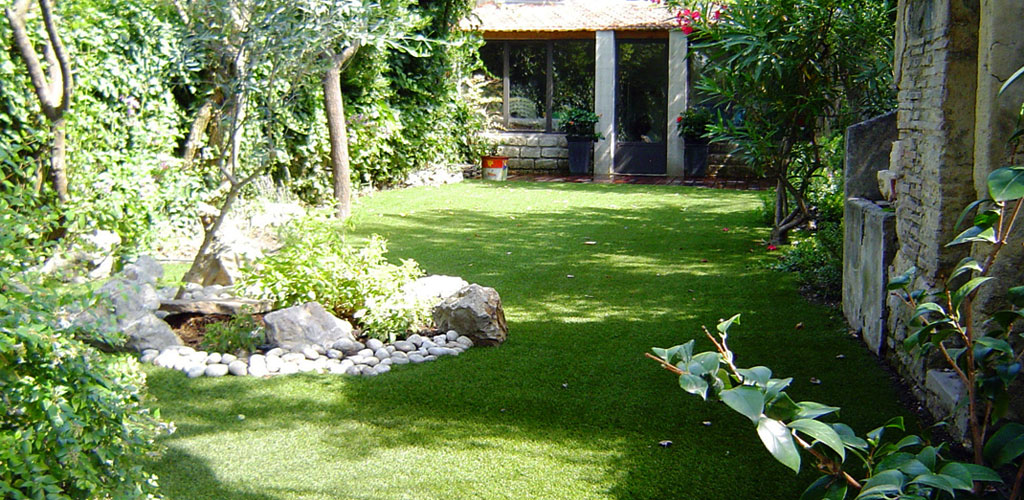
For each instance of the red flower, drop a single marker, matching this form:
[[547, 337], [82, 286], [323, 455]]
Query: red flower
[[772, 248], [695, 14], [687, 29], [725, 230], [679, 119]]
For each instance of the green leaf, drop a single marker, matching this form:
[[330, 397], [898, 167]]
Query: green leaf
[[821, 432], [1015, 296], [967, 264], [967, 210], [902, 281], [927, 307], [826, 488], [957, 475], [705, 362], [934, 481], [889, 481], [966, 290], [776, 386], [928, 456], [757, 374], [1005, 445], [745, 400], [777, 439], [782, 407], [661, 353], [1007, 183], [974, 233], [995, 344], [694, 384], [724, 326], [982, 473], [811, 409]]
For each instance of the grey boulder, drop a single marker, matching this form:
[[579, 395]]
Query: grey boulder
[[301, 326], [475, 312]]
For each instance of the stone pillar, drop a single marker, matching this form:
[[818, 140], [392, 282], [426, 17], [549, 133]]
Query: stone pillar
[[932, 162], [1000, 54], [678, 99], [604, 103]]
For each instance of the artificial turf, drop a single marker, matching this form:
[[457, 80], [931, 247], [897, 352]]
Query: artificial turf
[[591, 276]]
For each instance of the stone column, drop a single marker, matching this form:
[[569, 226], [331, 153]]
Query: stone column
[[678, 99], [604, 102], [1000, 54]]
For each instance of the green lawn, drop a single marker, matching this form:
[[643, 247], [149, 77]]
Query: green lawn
[[568, 407]]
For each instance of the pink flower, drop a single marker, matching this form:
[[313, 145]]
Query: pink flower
[[772, 248], [725, 230], [687, 29], [695, 14]]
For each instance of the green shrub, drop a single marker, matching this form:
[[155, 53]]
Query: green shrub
[[817, 262], [354, 282], [73, 423], [241, 333]]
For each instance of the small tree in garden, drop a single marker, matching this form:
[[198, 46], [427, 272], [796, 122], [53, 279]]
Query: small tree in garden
[[271, 51], [788, 71]]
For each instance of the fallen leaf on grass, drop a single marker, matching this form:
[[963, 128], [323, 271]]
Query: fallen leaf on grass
[[589, 242], [815, 381], [665, 444]]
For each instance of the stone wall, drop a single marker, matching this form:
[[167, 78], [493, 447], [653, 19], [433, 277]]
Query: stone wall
[[532, 152], [950, 58]]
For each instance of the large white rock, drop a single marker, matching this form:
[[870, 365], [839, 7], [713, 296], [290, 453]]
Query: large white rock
[[433, 289], [301, 326]]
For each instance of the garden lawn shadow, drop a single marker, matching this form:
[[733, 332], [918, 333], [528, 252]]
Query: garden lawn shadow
[[591, 276]]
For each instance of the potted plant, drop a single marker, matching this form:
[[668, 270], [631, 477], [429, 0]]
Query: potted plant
[[578, 125], [492, 165], [693, 127]]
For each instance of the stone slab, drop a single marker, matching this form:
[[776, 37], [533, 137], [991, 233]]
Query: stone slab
[[217, 306]]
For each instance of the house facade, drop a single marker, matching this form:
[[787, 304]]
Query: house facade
[[624, 59]]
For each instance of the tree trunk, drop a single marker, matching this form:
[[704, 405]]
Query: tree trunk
[[779, 235], [195, 134], [54, 94], [338, 132]]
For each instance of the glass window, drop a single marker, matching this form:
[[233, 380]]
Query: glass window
[[641, 93], [527, 96], [573, 74]]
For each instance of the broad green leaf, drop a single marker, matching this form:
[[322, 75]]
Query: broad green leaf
[[903, 280], [965, 291], [928, 456], [705, 362], [694, 384], [776, 386], [966, 265], [927, 307], [974, 233], [1005, 445], [782, 407], [995, 344], [894, 423], [935, 481], [724, 326], [746, 400], [1015, 296], [758, 374], [894, 461], [982, 473], [811, 409], [661, 353], [822, 433], [987, 218], [1007, 183], [777, 439], [957, 475], [967, 210], [889, 481], [826, 488]]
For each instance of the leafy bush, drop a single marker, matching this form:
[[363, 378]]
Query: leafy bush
[[579, 123], [355, 282], [876, 466], [693, 123], [241, 333], [73, 423], [817, 262]]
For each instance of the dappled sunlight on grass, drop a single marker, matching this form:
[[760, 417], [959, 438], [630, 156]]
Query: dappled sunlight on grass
[[568, 407]]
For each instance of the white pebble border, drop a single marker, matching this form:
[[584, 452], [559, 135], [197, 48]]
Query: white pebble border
[[344, 357]]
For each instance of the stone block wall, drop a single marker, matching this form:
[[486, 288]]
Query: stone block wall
[[532, 152]]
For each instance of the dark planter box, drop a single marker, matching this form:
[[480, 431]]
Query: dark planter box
[[580, 152], [695, 163]]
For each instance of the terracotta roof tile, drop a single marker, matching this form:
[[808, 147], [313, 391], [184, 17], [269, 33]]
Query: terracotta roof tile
[[569, 15]]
